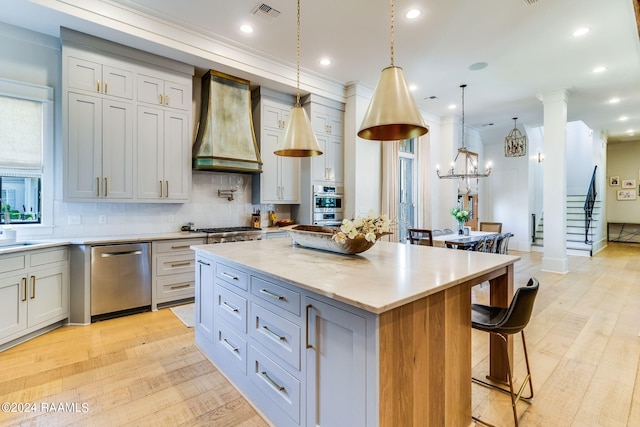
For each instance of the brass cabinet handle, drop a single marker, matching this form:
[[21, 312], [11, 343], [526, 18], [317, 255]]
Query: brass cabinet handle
[[272, 382], [161, 99], [180, 247], [180, 264], [105, 186], [166, 100], [105, 87], [98, 85], [33, 287], [271, 294], [186, 285], [306, 339], [166, 193], [160, 189], [24, 288], [98, 186]]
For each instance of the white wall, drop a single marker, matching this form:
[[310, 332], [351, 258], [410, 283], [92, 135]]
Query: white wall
[[579, 158], [623, 160]]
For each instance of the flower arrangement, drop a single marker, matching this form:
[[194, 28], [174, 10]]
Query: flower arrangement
[[461, 215], [371, 227]]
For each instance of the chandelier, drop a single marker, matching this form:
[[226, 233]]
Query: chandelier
[[469, 169], [515, 144]]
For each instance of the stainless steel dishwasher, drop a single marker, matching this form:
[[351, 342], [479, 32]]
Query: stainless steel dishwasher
[[120, 279]]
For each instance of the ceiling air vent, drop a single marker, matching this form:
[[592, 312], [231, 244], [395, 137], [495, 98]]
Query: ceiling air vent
[[265, 12], [529, 1]]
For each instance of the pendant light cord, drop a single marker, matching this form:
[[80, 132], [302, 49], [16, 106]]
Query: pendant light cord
[[298, 60], [463, 86], [392, 30]]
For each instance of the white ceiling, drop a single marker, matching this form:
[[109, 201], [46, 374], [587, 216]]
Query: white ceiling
[[530, 50]]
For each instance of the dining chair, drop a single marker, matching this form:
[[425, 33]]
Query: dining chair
[[418, 236], [495, 227], [504, 244], [436, 232], [503, 322], [447, 231]]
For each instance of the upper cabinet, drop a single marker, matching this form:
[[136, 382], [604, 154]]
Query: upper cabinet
[[126, 123], [327, 121], [279, 182]]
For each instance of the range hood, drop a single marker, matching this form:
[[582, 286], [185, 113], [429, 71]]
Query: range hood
[[226, 140]]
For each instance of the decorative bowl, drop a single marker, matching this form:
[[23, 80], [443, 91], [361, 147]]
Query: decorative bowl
[[321, 237]]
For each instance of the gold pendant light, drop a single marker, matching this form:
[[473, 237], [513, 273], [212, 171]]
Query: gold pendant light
[[393, 113], [298, 139]]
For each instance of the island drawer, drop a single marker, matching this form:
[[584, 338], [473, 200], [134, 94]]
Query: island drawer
[[230, 307], [276, 294], [279, 336], [232, 275], [233, 348], [278, 385]]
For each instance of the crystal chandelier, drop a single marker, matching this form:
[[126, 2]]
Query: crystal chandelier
[[469, 169], [515, 144]]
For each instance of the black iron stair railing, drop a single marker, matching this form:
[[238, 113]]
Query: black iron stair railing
[[588, 205]]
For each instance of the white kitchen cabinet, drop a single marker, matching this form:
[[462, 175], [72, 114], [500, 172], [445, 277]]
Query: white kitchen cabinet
[[157, 91], [34, 291], [98, 77], [279, 182], [336, 366], [164, 155], [327, 121], [173, 270], [99, 161]]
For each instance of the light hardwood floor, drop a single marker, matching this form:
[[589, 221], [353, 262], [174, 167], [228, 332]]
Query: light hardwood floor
[[144, 369]]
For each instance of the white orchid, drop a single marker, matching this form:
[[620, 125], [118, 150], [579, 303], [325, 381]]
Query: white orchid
[[370, 226]]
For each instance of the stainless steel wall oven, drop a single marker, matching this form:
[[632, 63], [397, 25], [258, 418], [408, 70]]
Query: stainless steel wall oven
[[328, 205]]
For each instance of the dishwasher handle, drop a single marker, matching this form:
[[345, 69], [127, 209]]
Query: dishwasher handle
[[109, 254]]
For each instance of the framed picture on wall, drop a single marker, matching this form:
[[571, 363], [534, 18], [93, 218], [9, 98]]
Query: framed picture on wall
[[626, 194], [628, 183], [614, 181]]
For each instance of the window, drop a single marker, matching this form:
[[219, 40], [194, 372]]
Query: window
[[406, 179], [26, 139]]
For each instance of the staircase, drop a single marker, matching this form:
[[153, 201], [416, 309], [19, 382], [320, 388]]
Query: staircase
[[575, 237]]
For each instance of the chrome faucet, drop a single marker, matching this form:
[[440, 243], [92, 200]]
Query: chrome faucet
[[5, 212]]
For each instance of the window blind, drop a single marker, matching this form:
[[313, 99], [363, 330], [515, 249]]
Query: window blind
[[21, 127]]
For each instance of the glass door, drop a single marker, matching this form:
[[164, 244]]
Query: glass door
[[406, 179]]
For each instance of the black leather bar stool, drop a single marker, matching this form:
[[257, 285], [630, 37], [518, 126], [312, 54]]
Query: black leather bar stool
[[503, 322]]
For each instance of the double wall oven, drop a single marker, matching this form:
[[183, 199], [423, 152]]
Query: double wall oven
[[328, 205]]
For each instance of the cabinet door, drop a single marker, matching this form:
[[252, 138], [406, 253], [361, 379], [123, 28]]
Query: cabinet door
[[84, 159], [150, 90], [335, 160], [177, 95], [270, 177], [336, 366], [48, 292], [289, 180], [117, 150], [150, 153], [13, 306], [319, 171], [274, 115], [177, 156], [84, 75], [204, 294], [117, 82]]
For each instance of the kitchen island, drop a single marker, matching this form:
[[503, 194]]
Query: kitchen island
[[317, 338]]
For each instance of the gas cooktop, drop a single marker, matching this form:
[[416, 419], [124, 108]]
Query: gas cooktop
[[227, 230]]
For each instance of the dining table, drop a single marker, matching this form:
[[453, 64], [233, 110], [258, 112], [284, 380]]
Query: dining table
[[461, 241]]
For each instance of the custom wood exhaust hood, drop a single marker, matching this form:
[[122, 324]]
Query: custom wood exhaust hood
[[226, 140]]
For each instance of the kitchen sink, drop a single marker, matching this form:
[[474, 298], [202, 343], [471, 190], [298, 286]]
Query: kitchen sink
[[17, 244]]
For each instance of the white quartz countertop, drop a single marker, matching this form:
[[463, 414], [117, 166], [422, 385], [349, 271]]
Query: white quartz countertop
[[31, 244], [386, 276]]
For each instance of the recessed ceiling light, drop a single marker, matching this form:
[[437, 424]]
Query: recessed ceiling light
[[246, 28], [623, 118], [581, 31], [599, 69], [614, 100], [325, 61], [413, 87], [452, 106], [631, 131], [413, 14]]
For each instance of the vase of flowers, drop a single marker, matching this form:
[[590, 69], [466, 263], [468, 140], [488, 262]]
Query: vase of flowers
[[461, 216]]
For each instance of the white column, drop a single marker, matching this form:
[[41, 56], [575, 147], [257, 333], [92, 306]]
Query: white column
[[555, 182]]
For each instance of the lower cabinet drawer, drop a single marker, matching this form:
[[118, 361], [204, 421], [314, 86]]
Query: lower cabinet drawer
[[178, 286], [230, 346], [230, 307], [275, 383], [175, 264], [278, 335]]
